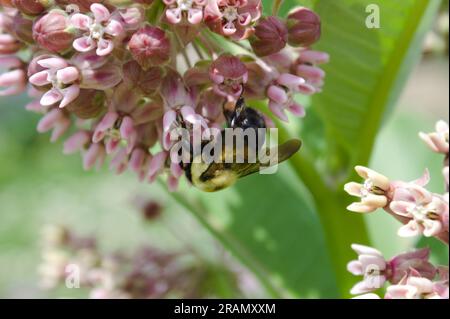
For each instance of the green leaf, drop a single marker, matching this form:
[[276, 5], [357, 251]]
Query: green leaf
[[367, 70]]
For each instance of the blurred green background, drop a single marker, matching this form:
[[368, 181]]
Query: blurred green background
[[39, 185]]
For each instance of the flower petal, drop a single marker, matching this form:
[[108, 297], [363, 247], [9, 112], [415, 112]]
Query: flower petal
[[101, 13]]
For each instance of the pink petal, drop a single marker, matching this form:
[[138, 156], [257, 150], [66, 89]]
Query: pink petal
[[442, 127], [70, 94], [176, 170], [361, 208], [53, 63], [195, 16], [81, 21], [173, 15], [51, 97], [244, 18], [278, 111], [101, 13], [76, 142], [431, 227], [40, 78], [402, 208], [104, 47], [106, 123], [411, 229], [188, 114], [93, 154], [229, 29], [49, 120], [306, 89], [156, 164], [353, 188], [111, 145], [310, 72], [172, 183], [297, 109], [67, 75], [290, 81], [277, 94], [114, 28], [314, 57], [420, 194], [137, 159], [366, 250], [372, 261], [84, 44], [126, 127], [168, 119], [355, 267], [61, 127], [360, 288]]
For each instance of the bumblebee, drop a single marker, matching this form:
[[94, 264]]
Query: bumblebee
[[217, 175]]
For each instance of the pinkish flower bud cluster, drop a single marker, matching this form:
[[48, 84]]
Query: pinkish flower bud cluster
[[121, 75], [421, 212], [145, 273]]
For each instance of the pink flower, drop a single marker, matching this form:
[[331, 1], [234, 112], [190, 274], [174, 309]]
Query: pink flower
[[403, 264], [97, 72], [306, 66], [303, 27], [270, 36], [233, 18], [52, 31], [413, 288], [229, 75], [62, 78], [438, 140], [14, 80], [98, 32], [190, 10], [55, 120], [150, 47], [371, 265], [372, 192], [281, 95], [425, 211]]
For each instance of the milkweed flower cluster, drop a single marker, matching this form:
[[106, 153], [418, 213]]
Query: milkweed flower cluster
[[114, 77], [422, 213], [147, 272]]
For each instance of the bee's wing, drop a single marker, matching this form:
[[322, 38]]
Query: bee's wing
[[281, 152]]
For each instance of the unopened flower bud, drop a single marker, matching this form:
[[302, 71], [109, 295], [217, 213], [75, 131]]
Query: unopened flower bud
[[81, 5], [52, 33], [270, 36], [89, 104], [303, 27], [150, 47], [31, 7], [147, 81], [23, 29]]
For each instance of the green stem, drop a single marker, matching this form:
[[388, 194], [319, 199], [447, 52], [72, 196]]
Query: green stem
[[199, 214]]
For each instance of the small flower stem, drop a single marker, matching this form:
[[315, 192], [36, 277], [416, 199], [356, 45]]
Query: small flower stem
[[276, 7], [198, 50], [183, 50]]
